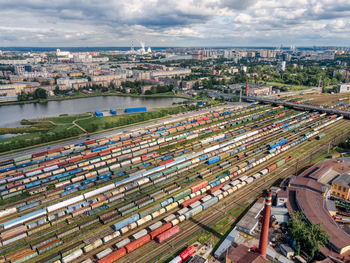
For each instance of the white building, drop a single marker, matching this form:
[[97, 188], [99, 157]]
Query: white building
[[87, 58], [60, 53], [108, 78], [228, 53], [281, 66], [140, 74], [343, 88], [67, 83], [19, 70], [170, 73]]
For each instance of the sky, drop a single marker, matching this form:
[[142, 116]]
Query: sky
[[60, 23]]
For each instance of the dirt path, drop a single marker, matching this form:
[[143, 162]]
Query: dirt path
[[73, 122], [77, 125]]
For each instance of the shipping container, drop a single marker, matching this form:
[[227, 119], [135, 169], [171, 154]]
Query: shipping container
[[114, 256], [137, 243], [160, 230], [168, 234]]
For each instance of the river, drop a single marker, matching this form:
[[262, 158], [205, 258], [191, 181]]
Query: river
[[11, 115]]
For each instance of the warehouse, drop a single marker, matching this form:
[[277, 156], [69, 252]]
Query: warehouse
[[250, 220]]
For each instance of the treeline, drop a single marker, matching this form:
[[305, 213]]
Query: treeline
[[42, 137], [135, 87], [159, 89], [15, 130], [39, 93]]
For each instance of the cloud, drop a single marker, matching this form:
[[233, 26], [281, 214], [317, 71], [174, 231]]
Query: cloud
[[173, 22]]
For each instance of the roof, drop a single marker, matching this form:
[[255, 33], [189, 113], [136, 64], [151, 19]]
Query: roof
[[241, 254], [278, 210], [282, 194], [325, 171], [286, 248], [256, 209], [342, 179], [283, 259], [331, 205], [248, 222], [198, 259], [313, 205], [231, 237], [304, 182]]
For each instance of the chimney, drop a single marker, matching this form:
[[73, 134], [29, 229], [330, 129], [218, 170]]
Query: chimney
[[264, 235], [246, 87]]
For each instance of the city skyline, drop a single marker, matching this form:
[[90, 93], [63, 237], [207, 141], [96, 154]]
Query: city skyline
[[174, 23]]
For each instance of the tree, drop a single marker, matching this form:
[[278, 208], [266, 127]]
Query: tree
[[22, 96], [56, 90], [40, 93], [308, 237]]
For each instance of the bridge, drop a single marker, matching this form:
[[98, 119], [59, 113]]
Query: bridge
[[346, 114]]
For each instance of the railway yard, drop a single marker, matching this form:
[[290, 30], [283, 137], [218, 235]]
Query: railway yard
[[146, 195]]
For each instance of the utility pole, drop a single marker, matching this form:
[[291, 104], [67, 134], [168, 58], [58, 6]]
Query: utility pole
[[296, 167]]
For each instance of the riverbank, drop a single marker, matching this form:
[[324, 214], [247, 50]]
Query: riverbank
[[96, 94], [72, 126], [13, 114]]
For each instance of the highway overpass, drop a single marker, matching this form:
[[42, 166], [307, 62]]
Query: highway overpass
[[346, 114]]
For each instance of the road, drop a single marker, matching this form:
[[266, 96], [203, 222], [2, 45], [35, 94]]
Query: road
[[111, 132]]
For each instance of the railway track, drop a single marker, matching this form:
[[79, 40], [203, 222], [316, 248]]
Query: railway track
[[272, 160], [212, 215], [215, 215]]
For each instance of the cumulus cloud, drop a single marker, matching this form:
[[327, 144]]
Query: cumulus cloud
[[173, 22]]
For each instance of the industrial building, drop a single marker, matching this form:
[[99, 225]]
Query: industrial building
[[341, 186], [309, 193], [250, 220]]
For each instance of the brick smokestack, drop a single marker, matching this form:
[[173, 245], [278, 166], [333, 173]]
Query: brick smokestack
[[246, 87], [264, 235]]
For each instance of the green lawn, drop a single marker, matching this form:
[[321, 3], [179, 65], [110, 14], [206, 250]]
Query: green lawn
[[67, 119]]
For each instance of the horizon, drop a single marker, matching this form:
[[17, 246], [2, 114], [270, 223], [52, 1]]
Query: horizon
[[202, 23], [2, 48]]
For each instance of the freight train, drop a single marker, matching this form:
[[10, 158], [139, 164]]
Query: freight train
[[220, 153]]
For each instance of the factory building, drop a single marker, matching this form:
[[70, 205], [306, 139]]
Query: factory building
[[250, 220]]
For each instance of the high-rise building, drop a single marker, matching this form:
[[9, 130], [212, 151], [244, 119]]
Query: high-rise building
[[281, 66]]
